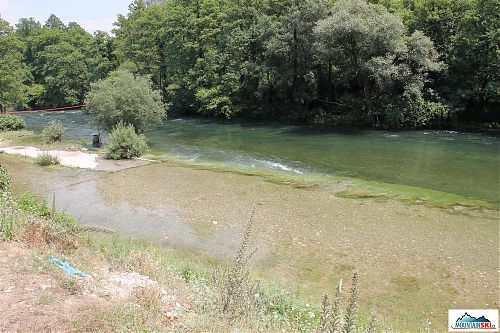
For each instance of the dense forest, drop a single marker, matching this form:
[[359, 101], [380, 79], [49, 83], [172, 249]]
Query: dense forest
[[390, 63]]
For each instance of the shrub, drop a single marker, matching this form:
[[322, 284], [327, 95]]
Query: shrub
[[46, 159], [32, 203], [54, 132], [124, 143], [415, 114], [4, 180], [123, 97], [11, 122]]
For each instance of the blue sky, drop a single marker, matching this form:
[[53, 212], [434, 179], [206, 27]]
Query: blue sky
[[90, 14]]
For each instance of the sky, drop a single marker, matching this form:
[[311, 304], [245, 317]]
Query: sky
[[90, 14]]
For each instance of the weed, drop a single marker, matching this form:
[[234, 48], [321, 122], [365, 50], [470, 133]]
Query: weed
[[54, 132], [71, 286], [332, 320], [4, 180], [11, 122], [32, 203], [235, 290], [150, 301], [12, 221], [46, 159]]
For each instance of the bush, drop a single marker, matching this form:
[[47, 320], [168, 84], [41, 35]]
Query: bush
[[4, 180], [32, 203], [46, 159], [123, 97], [12, 222], [11, 122], [124, 143], [54, 132], [416, 114]]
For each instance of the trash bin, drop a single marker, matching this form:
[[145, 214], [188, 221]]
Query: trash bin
[[96, 140]]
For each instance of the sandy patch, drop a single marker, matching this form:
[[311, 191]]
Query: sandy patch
[[75, 159]]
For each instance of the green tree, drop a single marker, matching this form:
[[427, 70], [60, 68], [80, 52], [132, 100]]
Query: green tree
[[124, 98], [13, 72], [64, 61], [54, 22], [26, 27], [371, 62], [466, 34]]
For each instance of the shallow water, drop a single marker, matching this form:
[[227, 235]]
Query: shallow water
[[461, 163]]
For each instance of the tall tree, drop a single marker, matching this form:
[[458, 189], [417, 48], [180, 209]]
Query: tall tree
[[13, 72]]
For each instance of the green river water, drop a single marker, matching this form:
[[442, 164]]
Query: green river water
[[461, 163]]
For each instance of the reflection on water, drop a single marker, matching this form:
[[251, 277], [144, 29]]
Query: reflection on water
[[461, 163]]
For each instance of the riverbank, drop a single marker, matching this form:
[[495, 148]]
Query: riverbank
[[413, 259]]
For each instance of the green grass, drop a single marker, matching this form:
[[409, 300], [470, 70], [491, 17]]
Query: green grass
[[30, 138], [23, 137]]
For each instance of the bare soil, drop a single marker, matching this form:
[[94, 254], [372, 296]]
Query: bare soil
[[38, 297]]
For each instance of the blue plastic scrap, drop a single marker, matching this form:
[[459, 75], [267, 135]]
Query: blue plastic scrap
[[68, 269]]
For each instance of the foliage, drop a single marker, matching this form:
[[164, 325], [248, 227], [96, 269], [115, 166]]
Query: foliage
[[4, 180], [466, 34], [63, 60], [125, 143], [12, 222], [33, 203], [124, 98], [347, 61], [46, 159], [13, 71], [54, 132], [11, 122], [419, 113]]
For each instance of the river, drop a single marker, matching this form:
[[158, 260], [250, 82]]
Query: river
[[466, 164]]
